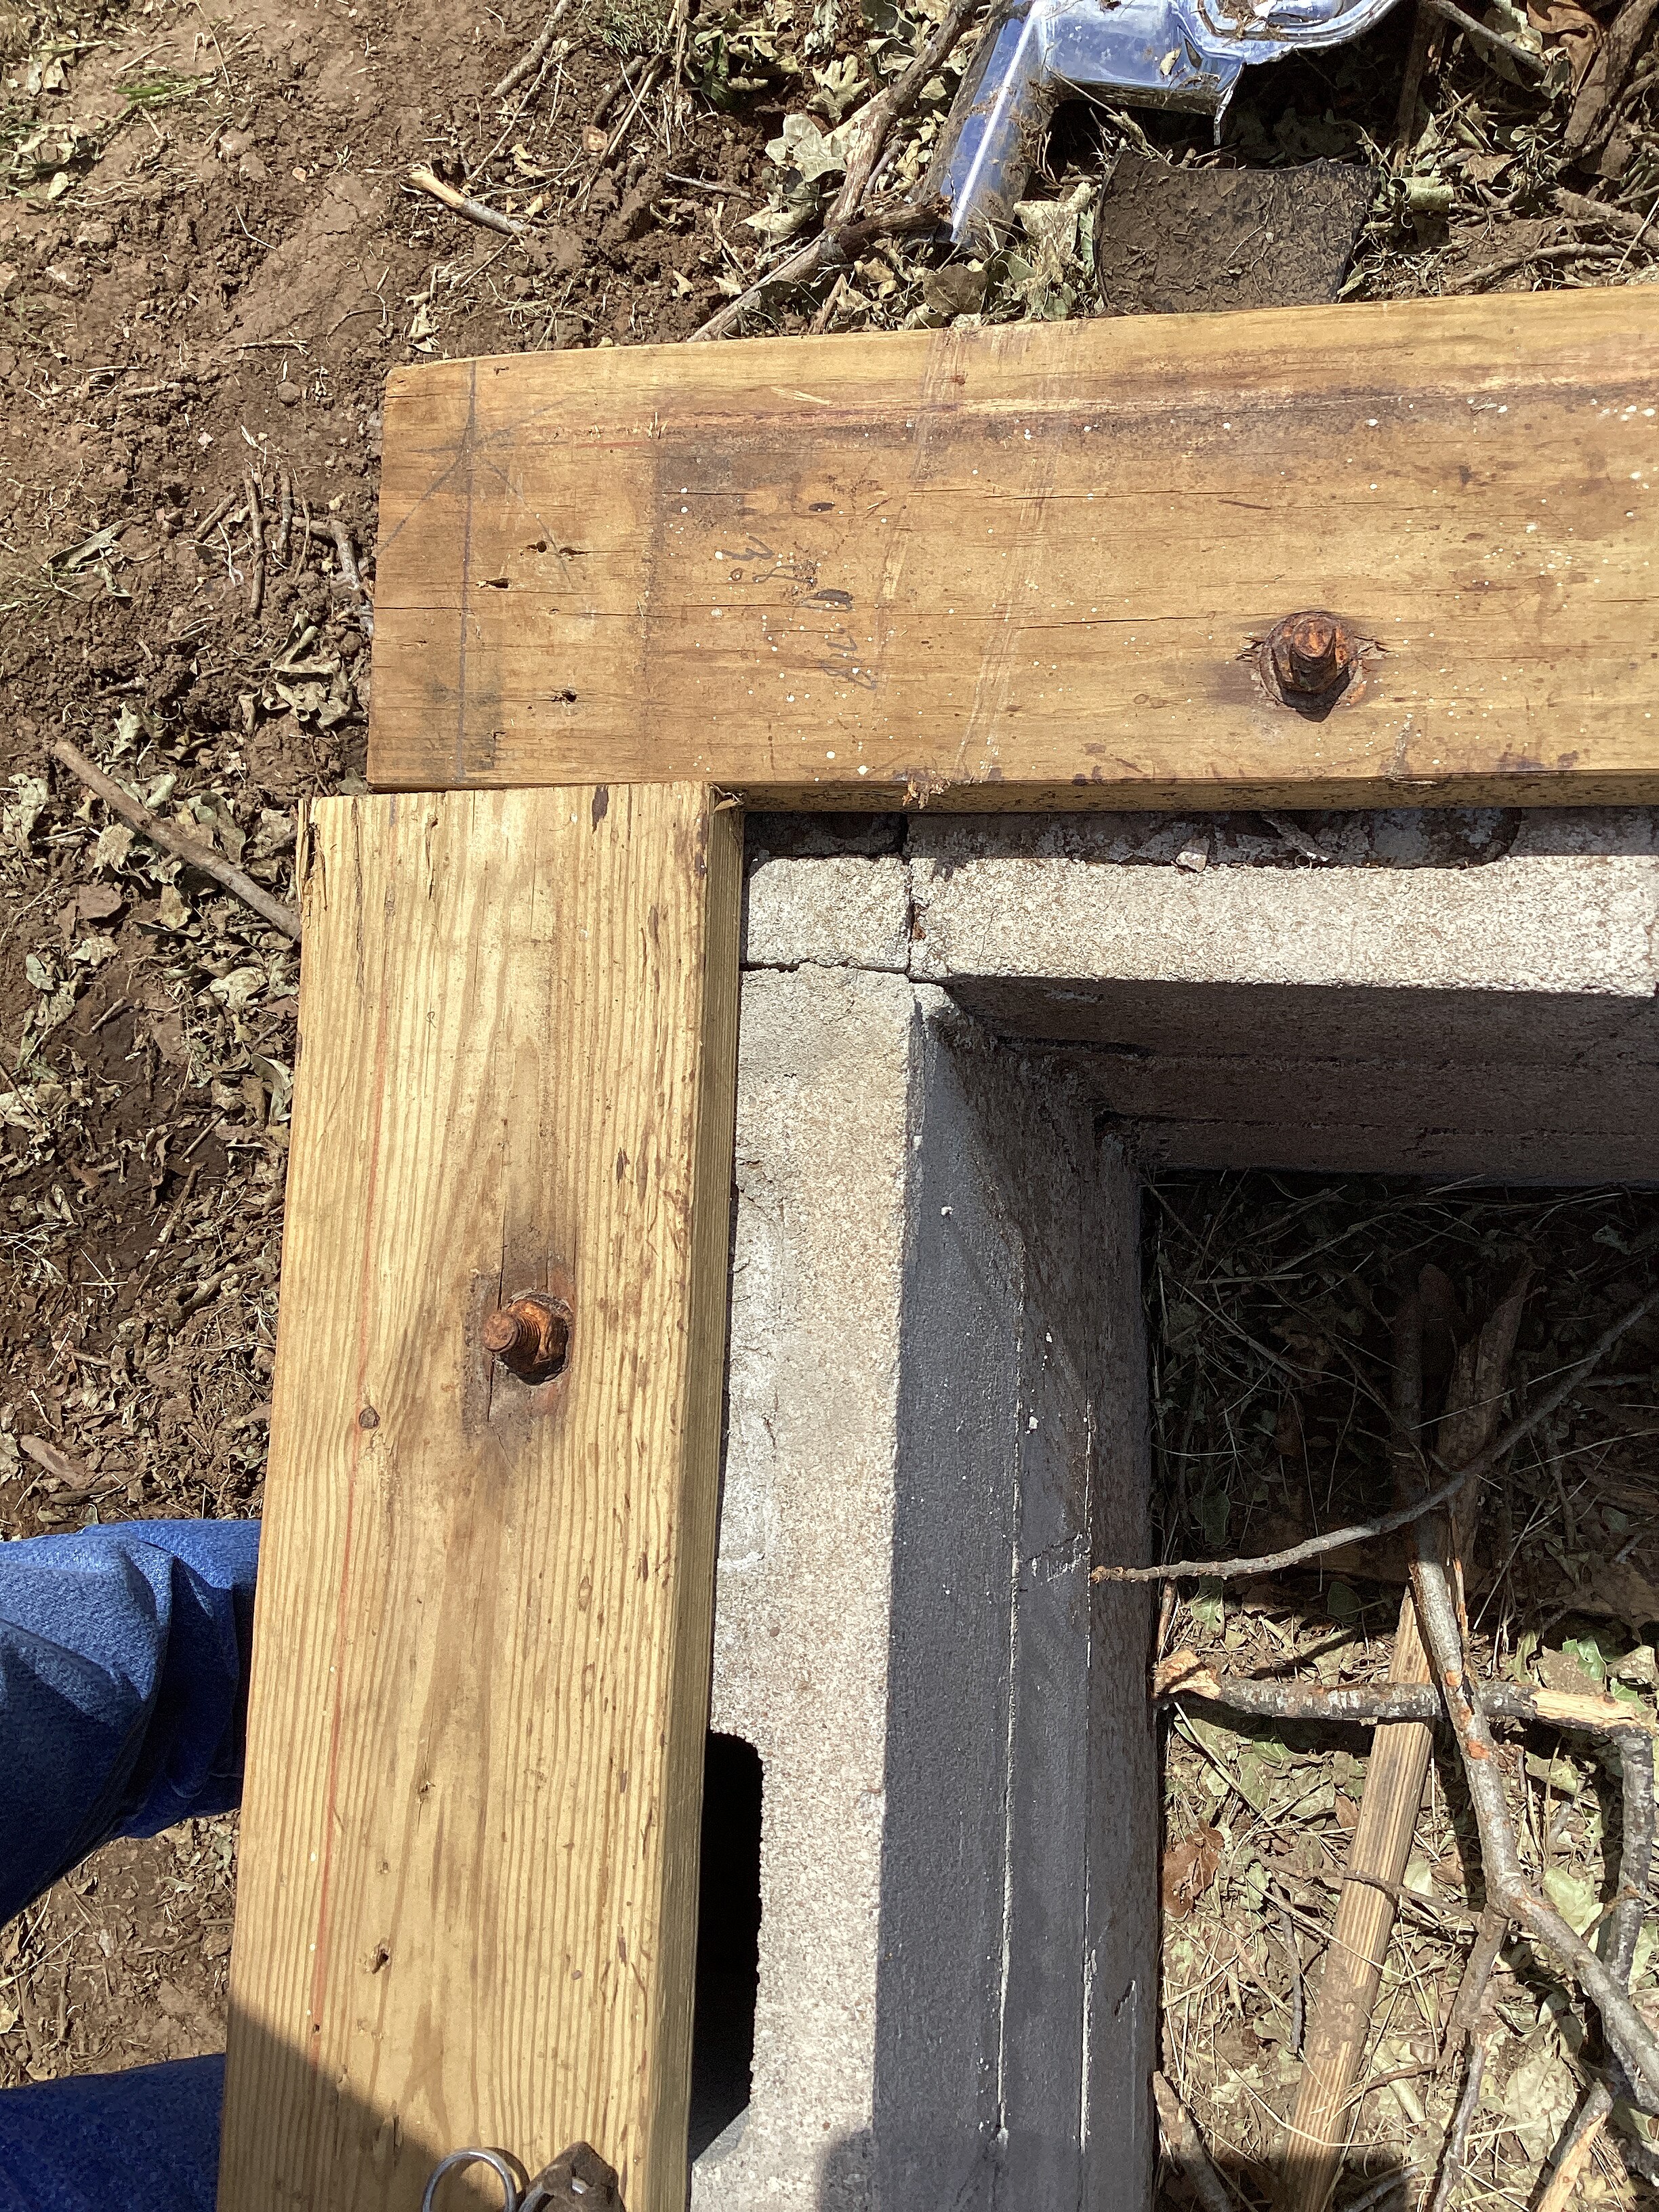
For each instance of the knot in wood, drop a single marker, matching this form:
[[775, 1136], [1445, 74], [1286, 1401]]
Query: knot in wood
[[530, 1335]]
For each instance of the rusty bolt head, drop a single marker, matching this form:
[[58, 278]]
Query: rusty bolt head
[[530, 1335], [1311, 652]]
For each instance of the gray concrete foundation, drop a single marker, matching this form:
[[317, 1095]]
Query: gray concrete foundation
[[963, 1040]]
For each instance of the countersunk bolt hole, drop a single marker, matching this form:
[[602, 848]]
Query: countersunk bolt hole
[[530, 1336]]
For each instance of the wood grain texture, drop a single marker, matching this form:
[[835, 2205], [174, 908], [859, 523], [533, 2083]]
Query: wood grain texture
[[468, 1882], [1018, 567]]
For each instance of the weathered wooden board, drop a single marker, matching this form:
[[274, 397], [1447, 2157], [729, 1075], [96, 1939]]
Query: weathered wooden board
[[468, 1886], [1023, 566]]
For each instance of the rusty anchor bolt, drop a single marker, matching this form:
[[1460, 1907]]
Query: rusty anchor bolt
[[1311, 654], [530, 1335]]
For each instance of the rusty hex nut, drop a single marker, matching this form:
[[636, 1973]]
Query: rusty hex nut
[[1311, 652], [530, 1335]]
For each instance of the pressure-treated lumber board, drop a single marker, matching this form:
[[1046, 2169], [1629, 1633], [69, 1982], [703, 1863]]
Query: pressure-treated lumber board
[[1018, 567], [480, 1691]]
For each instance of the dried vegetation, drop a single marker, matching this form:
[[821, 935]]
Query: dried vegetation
[[1271, 1305]]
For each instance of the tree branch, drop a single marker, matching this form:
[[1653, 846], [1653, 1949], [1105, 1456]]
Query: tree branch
[[1403, 1517], [1506, 1885]]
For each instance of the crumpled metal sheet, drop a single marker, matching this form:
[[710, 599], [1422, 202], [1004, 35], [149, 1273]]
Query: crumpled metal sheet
[[1147, 53]]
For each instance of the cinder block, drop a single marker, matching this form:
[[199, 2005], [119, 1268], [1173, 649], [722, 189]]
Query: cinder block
[[937, 1426], [1414, 1008], [842, 910]]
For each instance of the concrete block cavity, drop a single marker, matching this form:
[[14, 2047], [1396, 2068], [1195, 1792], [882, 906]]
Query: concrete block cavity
[[937, 1426], [960, 1041]]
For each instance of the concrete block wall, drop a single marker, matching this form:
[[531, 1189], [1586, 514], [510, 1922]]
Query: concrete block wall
[[961, 1040], [936, 1427], [1463, 994]]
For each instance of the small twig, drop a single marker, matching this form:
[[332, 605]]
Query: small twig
[[1473, 27], [428, 180], [832, 248], [1186, 2147], [710, 184], [654, 70], [284, 517], [198, 856], [204, 528], [1404, 1516], [1511, 261], [1457, 2136], [621, 82], [533, 55], [1402, 2177], [541, 59], [346, 554], [304, 553], [1168, 1600], [1387, 1704], [1636, 1852], [1493, 1926], [1293, 1960], [828, 305], [256, 575]]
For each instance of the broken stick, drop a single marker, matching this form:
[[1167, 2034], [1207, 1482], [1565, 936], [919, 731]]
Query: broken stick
[[256, 572], [428, 180], [533, 55], [185, 848], [1382, 1840]]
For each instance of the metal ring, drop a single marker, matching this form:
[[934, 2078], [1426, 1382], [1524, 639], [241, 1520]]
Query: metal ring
[[502, 2164]]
